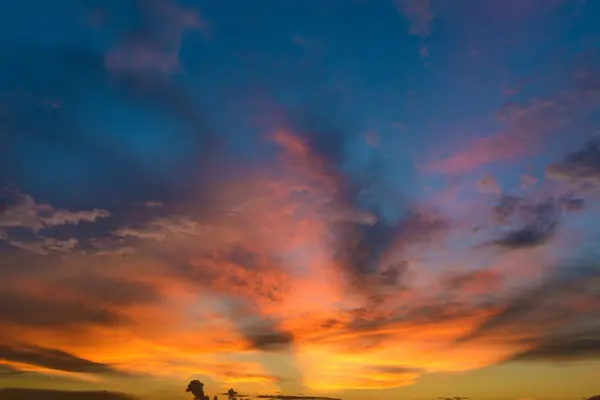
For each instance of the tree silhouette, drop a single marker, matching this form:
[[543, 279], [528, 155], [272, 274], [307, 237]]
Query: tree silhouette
[[197, 389], [231, 394]]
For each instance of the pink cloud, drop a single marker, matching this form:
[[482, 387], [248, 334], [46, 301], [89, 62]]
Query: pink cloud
[[420, 14], [480, 151]]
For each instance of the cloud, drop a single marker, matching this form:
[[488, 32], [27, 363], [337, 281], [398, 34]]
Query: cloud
[[364, 249], [573, 204], [579, 167], [420, 14], [531, 224], [527, 237], [21, 211], [32, 394], [545, 307], [478, 152], [110, 291], [161, 228], [156, 44], [580, 344], [52, 359], [364, 236], [45, 245], [269, 341], [525, 128], [488, 185], [528, 181], [36, 311], [479, 281], [8, 371], [254, 267]]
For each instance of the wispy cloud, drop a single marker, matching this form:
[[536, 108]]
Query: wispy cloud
[[156, 44], [19, 210], [51, 358], [525, 127]]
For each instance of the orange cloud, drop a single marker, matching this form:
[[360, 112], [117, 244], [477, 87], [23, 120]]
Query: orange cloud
[[219, 291]]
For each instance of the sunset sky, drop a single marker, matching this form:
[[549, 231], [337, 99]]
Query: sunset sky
[[350, 199]]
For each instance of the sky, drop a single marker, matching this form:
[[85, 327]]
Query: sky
[[327, 199]]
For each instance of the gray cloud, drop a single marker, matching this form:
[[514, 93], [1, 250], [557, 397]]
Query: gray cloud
[[574, 345], [582, 166], [52, 359], [394, 369], [20, 210], [531, 223], [547, 304], [527, 237], [453, 398], [8, 371], [110, 291], [30, 310], [573, 204], [272, 341]]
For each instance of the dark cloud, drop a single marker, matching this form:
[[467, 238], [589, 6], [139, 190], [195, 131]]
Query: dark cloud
[[370, 321], [359, 245], [269, 339], [506, 207], [548, 304], [574, 345], [8, 371], [240, 256], [527, 237], [35, 394], [394, 369], [394, 274], [453, 398], [111, 291], [582, 166], [573, 204], [361, 248], [531, 224], [52, 359], [30, 310]]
